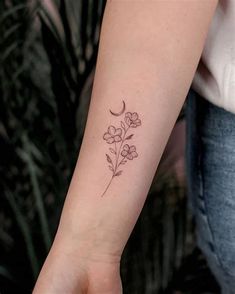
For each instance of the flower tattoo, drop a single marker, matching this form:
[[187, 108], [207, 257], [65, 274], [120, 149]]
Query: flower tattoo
[[120, 153], [113, 135], [132, 119], [129, 152]]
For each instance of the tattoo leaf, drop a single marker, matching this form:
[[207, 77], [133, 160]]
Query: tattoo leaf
[[129, 137], [123, 125], [112, 150], [109, 159], [118, 173], [124, 161]]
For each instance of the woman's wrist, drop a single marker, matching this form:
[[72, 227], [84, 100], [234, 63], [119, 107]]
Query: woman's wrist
[[70, 265], [90, 231], [88, 246]]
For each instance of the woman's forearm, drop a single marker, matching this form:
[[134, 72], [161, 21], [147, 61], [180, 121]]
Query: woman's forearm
[[148, 54]]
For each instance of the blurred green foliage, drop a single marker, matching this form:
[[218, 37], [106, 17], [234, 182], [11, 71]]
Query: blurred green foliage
[[48, 53]]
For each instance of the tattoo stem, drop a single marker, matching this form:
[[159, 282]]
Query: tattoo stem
[[116, 164], [108, 186]]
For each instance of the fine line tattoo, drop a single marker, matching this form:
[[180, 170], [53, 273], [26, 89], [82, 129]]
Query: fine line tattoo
[[120, 153]]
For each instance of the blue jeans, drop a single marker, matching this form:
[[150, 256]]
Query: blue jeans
[[210, 169]]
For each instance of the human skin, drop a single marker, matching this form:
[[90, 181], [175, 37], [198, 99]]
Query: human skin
[[148, 54]]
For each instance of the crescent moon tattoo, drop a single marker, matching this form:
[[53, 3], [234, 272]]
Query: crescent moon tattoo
[[120, 112]]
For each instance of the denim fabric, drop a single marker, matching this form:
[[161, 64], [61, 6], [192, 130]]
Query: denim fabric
[[210, 169]]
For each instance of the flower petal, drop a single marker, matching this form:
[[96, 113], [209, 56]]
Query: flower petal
[[118, 132], [128, 115], [111, 130], [134, 116], [128, 121], [110, 140], [124, 153], [132, 148], [129, 156], [117, 138], [134, 154], [126, 147], [106, 136]]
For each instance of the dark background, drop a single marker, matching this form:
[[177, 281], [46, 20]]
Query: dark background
[[48, 56]]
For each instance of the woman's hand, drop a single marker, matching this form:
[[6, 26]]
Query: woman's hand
[[69, 271]]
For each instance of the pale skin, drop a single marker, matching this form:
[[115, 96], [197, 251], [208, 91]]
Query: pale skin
[[148, 54]]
